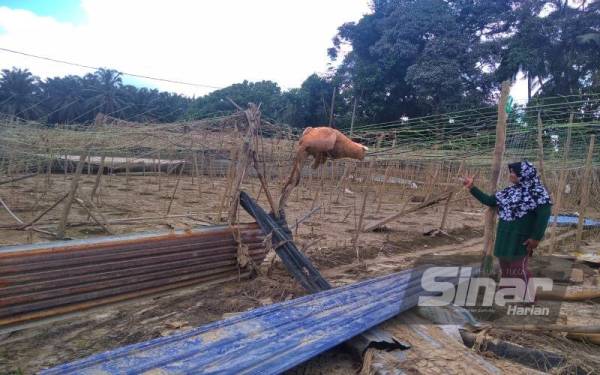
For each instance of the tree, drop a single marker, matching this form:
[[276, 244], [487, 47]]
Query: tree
[[19, 93], [103, 92], [267, 93], [417, 57], [554, 45], [63, 98]]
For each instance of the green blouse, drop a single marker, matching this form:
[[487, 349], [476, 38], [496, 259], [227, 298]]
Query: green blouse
[[511, 235]]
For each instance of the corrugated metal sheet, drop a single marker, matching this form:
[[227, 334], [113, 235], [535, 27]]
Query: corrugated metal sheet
[[52, 278], [295, 262], [570, 221], [267, 340]]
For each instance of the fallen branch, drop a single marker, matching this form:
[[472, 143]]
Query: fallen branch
[[552, 327], [45, 212], [115, 221], [419, 207], [10, 212], [18, 178], [101, 221], [588, 338], [568, 294], [303, 218]]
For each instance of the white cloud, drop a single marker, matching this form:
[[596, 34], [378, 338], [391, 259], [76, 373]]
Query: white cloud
[[216, 42]]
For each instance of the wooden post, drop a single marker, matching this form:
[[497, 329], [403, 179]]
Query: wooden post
[[540, 142], [98, 177], [60, 233], [100, 219], [446, 209], [562, 180], [490, 214], [332, 106], [244, 158], [381, 191], [585, 192], [360, 222], [175, 189], [353, 116], [158, 171]]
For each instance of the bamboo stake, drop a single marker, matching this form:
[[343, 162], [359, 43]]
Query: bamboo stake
[[562, 180], [37, 218], [447, 205], [159, 170], [419, 207], [17, 179], [98, 177], [490, 214], [263, 183], [446, 209], [244, 156], [10, 212], [60, 233], [382, 187], [175, 189], [98, 221], [585, 191], [540, 142], [360, 223]]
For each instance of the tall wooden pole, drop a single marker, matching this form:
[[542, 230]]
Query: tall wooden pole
[[585, 192], [353, 116], [62, 225], [332, 106], [490, 214], [540, 142], [562, 180]]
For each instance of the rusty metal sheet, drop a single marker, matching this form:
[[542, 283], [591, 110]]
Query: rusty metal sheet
[[36, 279]]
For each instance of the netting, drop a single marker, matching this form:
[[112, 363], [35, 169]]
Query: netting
[[412, 159]]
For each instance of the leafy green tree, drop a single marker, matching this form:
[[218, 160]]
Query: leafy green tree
[[418, 57], [555, 44], [267, 93]]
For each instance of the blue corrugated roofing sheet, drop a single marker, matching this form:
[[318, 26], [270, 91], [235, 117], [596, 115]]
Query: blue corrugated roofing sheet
[[267, 340], [565, 221]]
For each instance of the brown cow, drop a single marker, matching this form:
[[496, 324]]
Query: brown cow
[[322, 143]]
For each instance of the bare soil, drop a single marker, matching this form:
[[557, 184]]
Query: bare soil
[[326, 237]]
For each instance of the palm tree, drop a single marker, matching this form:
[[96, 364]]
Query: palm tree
[[103, 92], [20, 91], [65, 96]]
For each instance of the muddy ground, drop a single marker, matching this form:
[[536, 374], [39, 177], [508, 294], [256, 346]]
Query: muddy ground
[[326, 237]]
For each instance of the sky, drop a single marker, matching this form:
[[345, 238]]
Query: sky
[[209, 42]]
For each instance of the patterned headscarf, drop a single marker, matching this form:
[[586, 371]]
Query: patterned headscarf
[[516, 201]]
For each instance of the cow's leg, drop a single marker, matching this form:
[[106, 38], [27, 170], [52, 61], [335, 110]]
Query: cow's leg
[[319, 159]]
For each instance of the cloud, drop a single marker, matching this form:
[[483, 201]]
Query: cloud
[[210, 42]]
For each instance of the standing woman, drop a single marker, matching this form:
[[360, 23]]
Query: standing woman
[[524, 209]]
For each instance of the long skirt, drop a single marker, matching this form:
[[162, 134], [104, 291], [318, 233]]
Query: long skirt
[[518, 268]]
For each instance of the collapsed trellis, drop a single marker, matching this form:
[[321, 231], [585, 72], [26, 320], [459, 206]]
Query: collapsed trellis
[[420, 159]]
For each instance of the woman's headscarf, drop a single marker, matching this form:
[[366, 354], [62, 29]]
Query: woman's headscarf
[[516, 201]]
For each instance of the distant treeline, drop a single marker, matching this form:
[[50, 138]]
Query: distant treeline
[[408, 58]]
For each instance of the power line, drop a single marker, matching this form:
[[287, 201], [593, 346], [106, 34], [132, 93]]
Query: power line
[[97, 68]]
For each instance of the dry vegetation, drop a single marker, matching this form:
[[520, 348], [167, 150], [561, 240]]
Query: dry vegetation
[[184, 181]]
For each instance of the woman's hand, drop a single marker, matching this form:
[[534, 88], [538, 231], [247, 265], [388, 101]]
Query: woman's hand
[[531, 245], [468, 182]]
